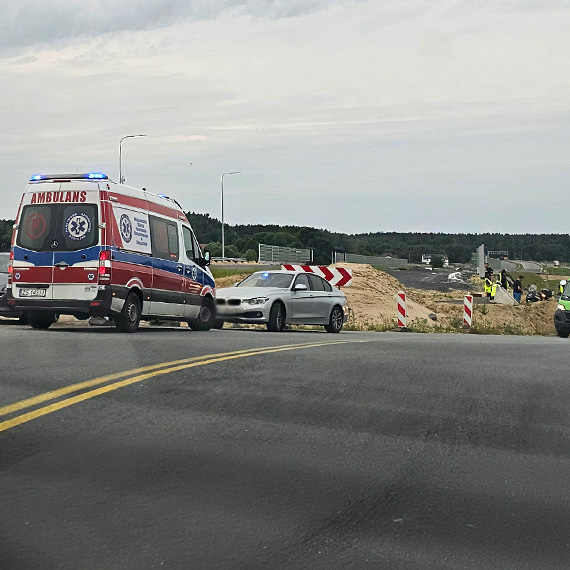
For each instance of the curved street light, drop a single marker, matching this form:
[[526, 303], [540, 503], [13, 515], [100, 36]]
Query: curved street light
[[121, 179], [223, 239]]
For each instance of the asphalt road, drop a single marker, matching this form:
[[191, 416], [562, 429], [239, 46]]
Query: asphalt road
[[387, 451]]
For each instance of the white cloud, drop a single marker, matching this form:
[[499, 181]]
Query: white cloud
[[335, 112]]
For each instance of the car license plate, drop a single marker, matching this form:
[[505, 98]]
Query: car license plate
[[32, 292]]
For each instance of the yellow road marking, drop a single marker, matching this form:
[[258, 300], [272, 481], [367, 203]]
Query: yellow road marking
[[166, 368], [116, 376]]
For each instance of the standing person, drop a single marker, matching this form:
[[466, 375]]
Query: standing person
[[561, 287], [489, 283], [488, 270], [504, 281], [494, 284], [517, 289]]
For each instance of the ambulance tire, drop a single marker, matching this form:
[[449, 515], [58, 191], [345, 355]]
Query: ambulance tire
[[218, 324], [41, 321], [129, 318], [563, 334], [206, 317]]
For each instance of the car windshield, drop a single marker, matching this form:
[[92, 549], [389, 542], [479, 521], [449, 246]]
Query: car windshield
[[266, 279], [4, 259]]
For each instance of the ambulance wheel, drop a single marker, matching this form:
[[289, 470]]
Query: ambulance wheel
[[563, 334], [129, 318], [206, 317], [41, 321]]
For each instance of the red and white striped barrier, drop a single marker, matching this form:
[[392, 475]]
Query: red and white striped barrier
[[402, 316], [468, 311], [336, 276]]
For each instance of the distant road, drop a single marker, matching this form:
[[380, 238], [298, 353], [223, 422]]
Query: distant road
[[531, 266]]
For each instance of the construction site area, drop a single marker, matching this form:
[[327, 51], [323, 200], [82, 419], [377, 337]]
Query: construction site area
[[434, 303]]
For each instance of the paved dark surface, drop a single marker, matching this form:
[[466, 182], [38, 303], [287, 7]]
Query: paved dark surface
[[429, 280], [406, 452]]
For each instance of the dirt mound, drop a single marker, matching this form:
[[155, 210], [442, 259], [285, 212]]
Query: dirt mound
[[372, 298]]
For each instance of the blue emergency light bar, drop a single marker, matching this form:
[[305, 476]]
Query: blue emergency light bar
[[86, 176]]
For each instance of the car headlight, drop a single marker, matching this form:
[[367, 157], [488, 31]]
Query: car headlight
[[257, 300], [561, 307]]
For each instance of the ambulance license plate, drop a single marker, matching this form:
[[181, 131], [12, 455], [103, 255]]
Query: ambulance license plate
[[33, 292]]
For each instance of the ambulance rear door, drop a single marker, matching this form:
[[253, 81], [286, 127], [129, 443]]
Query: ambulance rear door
[[57, 244]]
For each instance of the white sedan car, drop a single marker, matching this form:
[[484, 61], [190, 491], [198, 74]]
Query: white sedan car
[[277, 298]]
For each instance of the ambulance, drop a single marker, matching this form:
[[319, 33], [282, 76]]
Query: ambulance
[[86, 246]]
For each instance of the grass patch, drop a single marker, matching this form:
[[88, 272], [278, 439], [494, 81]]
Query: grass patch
[[218, 272], [532, 279], [558, 270]]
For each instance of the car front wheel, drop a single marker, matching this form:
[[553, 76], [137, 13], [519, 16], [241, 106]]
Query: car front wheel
[[276, 321], [336, 320]]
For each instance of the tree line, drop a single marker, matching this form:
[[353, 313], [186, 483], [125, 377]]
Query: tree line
[[242, 241], [407, 245]]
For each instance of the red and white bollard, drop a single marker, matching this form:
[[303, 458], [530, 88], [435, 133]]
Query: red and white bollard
[[468, 311], [402, 317]]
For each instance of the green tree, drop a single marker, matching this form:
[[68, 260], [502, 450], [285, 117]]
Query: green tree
[[437, 261], [251, 255]]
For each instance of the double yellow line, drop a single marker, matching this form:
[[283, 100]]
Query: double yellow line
[[131, 377]]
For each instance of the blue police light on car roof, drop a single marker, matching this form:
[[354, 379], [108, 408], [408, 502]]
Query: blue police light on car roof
[[86, 176], [265, 275]]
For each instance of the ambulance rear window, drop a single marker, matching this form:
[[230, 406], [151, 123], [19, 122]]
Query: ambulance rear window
[[35, 226], [58, 227]]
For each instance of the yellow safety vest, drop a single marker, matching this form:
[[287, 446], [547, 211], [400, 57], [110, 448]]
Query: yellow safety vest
[[493, 289], [488, 285]]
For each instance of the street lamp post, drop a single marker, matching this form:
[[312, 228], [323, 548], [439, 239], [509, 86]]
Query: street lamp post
[[121, 179], [223, 239]]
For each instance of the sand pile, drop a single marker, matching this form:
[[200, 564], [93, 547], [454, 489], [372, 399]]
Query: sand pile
[[372, 297]]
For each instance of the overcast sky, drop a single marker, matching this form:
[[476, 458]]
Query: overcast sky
[[354, 116]]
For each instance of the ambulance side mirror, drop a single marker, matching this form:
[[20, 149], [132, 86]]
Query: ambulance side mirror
[[205, 261]]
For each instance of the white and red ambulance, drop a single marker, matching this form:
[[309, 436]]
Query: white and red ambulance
[[86, 246]]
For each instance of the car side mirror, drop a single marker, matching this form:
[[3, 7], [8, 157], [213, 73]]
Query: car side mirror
[[300, 287]]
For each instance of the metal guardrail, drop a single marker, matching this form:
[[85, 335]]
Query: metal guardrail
[[278, 254], [375, 261]]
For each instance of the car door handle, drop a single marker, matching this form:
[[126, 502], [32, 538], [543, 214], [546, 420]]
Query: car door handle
[[62, 264], [179, 267]]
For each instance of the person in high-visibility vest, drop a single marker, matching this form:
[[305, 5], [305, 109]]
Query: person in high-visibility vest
[[489, 283], [561, 286], [496, 283]]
